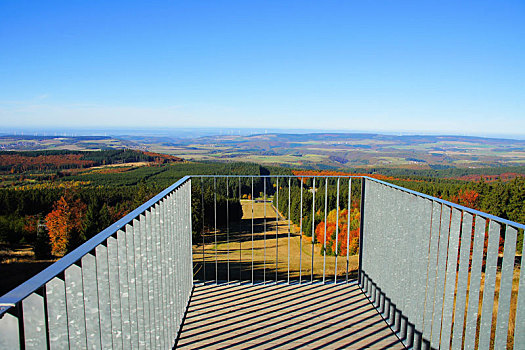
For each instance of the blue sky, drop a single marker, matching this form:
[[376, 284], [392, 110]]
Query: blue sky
[[421, 66]]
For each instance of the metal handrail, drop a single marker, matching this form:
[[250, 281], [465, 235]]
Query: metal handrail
[[451, 204], [25, 289]]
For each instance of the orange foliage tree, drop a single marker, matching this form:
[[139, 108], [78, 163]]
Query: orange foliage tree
[[64, 225], [468, 198], [342, 235]]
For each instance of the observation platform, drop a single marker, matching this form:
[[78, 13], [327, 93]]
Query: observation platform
[[281, 316], [429, 273]]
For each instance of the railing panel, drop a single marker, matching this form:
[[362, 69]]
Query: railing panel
[[463, 272], [421, 210], [430, 291], [134, 237], [489, 286], [444, 230], [104, 298], [9, 332], [91, 299], [159, 325], [75, 308], [34, 322], [114, 290], [507, 274], [124, 288], [519, 331], [147, 282], [132, 282], [119, 290], [412, 275], [57, 314], [450, 283], [475, 283], [171, 262]]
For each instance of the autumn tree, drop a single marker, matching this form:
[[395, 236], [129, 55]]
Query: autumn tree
[[64, 225]]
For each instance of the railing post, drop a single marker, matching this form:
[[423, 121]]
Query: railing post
[[361, 229]]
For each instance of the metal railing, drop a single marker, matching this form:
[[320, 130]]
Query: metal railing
[[434, 271], [268, 242], [430, 267], [127, 287]]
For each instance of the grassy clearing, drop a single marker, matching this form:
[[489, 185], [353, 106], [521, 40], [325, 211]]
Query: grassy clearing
[[17, 265], [273, 251]]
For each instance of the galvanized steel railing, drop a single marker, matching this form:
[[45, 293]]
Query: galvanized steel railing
[[127, 287], [227, 252], [429, 266], [433, 270]]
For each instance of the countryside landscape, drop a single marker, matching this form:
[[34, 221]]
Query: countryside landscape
[[262, 175], [93, 181]]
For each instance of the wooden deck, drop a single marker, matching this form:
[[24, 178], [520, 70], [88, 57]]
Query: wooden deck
[[308, 316]]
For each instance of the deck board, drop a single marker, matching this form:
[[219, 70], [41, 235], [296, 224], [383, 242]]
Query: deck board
[[308, 316]]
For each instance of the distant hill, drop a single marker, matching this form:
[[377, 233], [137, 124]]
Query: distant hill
[[20, 161], [343, 150], [316, 150]]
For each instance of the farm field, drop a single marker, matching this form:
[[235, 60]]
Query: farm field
[[318, 151]]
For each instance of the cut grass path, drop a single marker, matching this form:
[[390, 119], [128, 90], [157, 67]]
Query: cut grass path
[[268, 257]]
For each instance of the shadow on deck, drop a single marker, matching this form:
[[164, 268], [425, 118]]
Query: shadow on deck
[[312, 316]]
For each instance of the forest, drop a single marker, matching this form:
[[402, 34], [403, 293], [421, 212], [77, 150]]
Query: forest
[[39, 197]]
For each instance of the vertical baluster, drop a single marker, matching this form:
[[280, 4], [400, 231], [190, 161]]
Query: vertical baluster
[[264, 214], [505, 290], [173, 262], [124, 288], [114, 289], [240, 233], [227, 232], [132, 282], [475, 282], [289, 226], [104, 299], [336, 231], [313, 230], [301, 235], [149, 308], [177, 258], [349, 206], [57, 316], [277, 232], [188, 241], [431, 270], [489, 287], [461, 298], [164, 245], [519, 330], [450, 284], [152, 274], [361, 228], [202, 232], [171, 269], [137, 238], [444, 231], [215, 223], [325, 213], [10, 330], [253, 200], [34, 321], [89, 282], [75, 307]]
